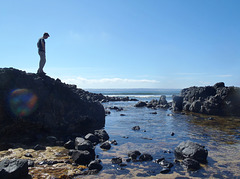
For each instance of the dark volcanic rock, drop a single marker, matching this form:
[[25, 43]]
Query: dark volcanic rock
[[140, 104], [13, 168], [82, 157], [69, 145], [134, 154], [102, 135], [33, 106], [191, 150], [95, 165], [136, 128], [82, 144], [190, 164], [213, 100], [91, 137], [145, 157], [106, 145], [117, 160]]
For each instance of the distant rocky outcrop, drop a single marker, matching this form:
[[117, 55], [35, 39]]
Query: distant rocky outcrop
[[213, 100], [33, 107], [161, 103]]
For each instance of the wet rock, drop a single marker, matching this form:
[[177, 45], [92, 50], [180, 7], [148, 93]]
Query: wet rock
[[82, 144], [107, 112], [190, 164], [106, 145], [145, 157], [82, 157], [191, 150], [102, 135], [165, 170], [177, 103], [136, 128], [28, 155], [91, 137], [116, 160], [128, 160], [158, 160], [30, 163], [13, 168], [134, 154], [39, 147], [140, 104], [95, 165], [69, 145], [114, 142], [116, 108], [164, 163]]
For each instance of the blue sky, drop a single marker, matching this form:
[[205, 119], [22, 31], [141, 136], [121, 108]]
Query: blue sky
[[125, 43]]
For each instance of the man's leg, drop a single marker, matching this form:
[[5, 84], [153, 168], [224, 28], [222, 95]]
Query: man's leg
[[42, 61]]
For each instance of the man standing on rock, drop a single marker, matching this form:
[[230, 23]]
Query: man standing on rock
[[42, 52]]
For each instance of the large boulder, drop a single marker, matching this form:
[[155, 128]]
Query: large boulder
[[213, 100], [191, 150], [13, 168], [34, 107], [177, 103]]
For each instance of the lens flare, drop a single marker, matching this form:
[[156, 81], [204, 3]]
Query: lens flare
[[22, 102]]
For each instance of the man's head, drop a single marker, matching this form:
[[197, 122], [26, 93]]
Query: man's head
[[46, 35]]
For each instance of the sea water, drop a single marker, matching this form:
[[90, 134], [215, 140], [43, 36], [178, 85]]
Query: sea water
[[220, 136]]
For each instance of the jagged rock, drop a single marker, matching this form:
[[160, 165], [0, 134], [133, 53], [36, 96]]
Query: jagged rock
[[213, 100], [13, 168], [43, 106], [191, 150]]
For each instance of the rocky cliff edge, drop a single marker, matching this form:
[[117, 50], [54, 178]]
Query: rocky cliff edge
[[33, 107]]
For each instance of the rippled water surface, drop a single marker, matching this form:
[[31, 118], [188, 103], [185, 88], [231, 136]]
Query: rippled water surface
[[220, 136]]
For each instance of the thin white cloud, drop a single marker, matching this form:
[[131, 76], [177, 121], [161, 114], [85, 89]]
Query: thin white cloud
[[224, 76], [110, 82]]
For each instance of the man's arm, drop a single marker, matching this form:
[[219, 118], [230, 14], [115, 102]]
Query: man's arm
[[43, 45]]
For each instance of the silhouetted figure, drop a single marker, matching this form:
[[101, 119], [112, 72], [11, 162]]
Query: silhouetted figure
[[42, 52]]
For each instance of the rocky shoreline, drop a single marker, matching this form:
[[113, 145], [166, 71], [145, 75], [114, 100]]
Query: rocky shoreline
[[49, 126], [212, 100]]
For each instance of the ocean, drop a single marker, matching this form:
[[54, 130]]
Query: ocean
[[142, 94], [220, 136]]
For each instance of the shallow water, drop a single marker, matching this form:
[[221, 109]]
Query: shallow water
[[220, 136]]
